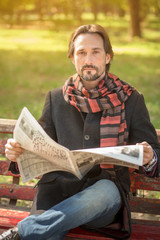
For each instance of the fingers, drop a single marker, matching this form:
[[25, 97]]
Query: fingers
[[147, 152], [13, 150]]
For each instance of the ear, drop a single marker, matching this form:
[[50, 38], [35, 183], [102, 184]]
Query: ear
[[72, 59], [108, 58]]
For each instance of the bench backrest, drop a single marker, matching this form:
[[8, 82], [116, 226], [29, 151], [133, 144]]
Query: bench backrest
[[11, 190], [140, 203]]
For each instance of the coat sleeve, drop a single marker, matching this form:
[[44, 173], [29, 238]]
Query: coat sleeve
[[141, 128]]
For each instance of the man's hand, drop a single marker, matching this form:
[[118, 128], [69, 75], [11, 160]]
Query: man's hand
[[147, 152], [13, 150]]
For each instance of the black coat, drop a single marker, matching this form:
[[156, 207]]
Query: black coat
[[75, 130]]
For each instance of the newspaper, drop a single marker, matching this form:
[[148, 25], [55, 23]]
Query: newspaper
[[42, 154]]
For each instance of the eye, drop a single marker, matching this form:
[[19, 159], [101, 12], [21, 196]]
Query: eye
[[95, 52], [81, 53]]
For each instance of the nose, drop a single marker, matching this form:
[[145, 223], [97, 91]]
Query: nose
[[89, 59]]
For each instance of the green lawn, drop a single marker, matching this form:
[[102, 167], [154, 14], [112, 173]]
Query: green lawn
[[35, 61]]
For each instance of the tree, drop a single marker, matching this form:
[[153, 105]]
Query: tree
[[134, 8]]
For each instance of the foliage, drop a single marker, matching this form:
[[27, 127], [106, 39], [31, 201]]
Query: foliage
[[19, 9], [25, 12]]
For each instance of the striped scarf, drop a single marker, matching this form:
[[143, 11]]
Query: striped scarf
[[109, 97]]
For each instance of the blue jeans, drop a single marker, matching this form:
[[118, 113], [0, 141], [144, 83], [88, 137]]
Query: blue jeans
[[95, 206]]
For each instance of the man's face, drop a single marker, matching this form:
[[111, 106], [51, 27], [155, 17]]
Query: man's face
[[89, 57]]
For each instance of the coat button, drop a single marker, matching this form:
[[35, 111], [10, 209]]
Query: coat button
[[86, 137]]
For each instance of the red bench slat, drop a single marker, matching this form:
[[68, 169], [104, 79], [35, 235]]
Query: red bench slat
[[2, 145], [143, 205], [7, 125], [139, 181], [4, 165], [10, 218], [15, 191]]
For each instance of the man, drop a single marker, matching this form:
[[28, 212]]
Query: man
[[93, 109]]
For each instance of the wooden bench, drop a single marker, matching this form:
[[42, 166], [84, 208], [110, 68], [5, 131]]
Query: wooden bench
[[144, 205]]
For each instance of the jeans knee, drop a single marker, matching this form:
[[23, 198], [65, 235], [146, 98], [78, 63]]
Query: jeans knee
[[107, 191]]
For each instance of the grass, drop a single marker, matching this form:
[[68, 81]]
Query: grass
[[33, 61]]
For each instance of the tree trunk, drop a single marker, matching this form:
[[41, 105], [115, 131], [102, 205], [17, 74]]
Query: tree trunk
[[134, 7]]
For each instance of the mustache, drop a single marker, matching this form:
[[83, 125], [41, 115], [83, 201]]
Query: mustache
[[89, 66]]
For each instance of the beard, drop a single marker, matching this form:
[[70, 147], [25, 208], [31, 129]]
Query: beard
[[87, 75]]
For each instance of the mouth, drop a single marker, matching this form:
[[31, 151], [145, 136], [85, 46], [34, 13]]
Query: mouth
[[89, 69]]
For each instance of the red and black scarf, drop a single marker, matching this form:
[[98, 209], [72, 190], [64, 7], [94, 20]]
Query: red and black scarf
[[109, 97]]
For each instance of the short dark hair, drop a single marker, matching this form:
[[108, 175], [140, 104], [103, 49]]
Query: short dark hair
[[93, 28]]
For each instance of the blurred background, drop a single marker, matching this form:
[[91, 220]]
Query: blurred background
[[34, 36]]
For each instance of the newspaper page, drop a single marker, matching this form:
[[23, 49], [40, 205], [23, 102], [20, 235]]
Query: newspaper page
[[127, 156], [40, 147], [42, 154]]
